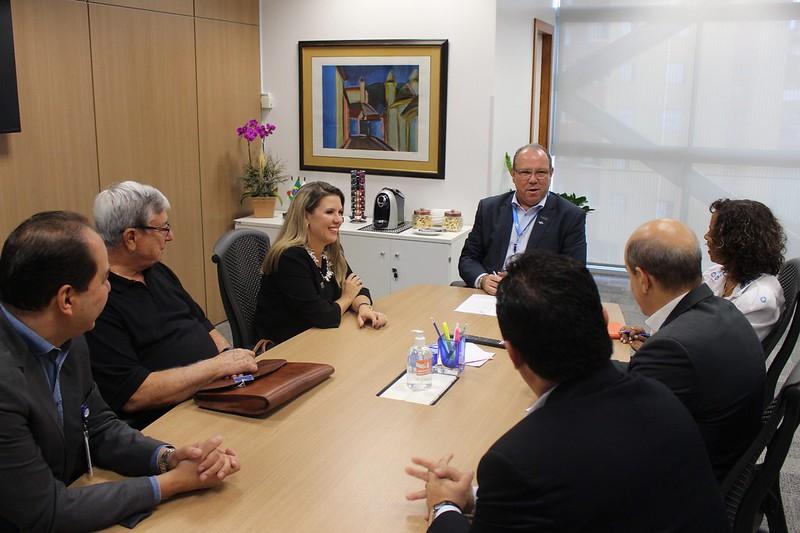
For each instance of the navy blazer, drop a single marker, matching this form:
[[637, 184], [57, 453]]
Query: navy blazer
[[606, 453], [39, 457], [560, 228], [708, 354]]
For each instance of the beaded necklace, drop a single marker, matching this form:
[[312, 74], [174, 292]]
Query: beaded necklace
[[327, 273]]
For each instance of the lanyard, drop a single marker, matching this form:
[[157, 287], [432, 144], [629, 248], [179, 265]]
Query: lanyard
[[517, 229]]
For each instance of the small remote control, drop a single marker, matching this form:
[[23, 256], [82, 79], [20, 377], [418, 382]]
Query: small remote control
[[486, 341]]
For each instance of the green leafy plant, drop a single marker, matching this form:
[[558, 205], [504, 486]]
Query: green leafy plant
[[509, 165], [579, 201], [263, 178]]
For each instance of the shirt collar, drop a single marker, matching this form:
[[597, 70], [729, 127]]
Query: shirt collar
[[656, 320], [534, 209], [37, 344], [539, 403]]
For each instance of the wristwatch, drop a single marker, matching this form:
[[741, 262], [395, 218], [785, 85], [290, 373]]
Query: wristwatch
[[446, 503], [163, 458]]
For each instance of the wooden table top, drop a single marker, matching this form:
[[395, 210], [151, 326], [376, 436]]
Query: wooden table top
[[332, 460]]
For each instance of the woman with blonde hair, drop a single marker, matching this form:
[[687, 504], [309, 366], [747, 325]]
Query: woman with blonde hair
[[306, 281]]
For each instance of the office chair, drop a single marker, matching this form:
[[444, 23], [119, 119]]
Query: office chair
[[238, 255], [789, 278], [752, 488]]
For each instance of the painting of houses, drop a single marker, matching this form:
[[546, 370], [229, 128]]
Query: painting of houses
[[370, 107]]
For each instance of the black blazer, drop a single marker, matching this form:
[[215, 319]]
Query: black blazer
[[294, 298], [560, 228], [709, 356], [606, 453], [38, 457]]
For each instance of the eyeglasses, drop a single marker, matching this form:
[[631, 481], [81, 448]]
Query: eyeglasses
[[540, 173], [166, 229]]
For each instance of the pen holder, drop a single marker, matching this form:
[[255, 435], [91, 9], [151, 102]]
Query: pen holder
[[450, 356]]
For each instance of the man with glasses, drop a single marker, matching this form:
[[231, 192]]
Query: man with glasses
[[153, 346], [528, 218]]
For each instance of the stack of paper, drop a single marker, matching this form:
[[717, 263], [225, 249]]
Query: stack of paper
[[400, 391], [475, 356]]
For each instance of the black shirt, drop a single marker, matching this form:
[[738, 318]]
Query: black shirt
[[146, 327], [294, 297]]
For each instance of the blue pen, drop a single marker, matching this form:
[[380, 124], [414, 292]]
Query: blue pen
[[438, 333]]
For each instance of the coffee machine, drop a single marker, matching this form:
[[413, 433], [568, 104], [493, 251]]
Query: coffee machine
[[389, 209]]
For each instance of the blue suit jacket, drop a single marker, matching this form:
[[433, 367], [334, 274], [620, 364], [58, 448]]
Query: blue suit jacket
[[560, 228], [39, 457]]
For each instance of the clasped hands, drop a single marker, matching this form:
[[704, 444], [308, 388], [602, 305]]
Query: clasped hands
[[442, 482], [632, 335], [198, 466]]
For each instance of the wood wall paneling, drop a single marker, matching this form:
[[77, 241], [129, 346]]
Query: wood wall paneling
[[228, 88], [180, 7], [52, 163], [146, 105], [244, 11]]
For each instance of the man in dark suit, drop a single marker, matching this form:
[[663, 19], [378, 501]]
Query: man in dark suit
[[599, 451], [529, 218], [54, 425], [701, 346]]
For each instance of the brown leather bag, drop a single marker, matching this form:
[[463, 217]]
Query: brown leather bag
[[274, 383]]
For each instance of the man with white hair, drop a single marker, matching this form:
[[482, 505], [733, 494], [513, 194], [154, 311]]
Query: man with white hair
[[153, 346]]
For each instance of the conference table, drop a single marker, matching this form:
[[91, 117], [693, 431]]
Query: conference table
[[333, 459]]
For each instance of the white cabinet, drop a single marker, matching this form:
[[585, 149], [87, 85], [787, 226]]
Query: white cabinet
[[388, 262]]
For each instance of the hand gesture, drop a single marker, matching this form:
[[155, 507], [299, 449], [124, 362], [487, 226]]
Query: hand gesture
[[352, 286], [632, 335], [236, 361], [442, 482], [366, 314], [489, 283], [198, 466]]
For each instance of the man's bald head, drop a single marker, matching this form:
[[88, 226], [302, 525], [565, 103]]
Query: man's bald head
[[668, 251]]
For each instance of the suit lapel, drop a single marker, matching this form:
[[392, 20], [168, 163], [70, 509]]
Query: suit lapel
[[503, 231], [543, 221], [692, 298]]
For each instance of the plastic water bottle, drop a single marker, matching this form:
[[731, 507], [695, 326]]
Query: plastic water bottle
[[420, 360]]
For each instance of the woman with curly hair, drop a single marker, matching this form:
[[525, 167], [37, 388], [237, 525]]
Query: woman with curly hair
[[747, 242]]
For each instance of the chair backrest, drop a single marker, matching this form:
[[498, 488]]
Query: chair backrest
[[238, 255], [750, 483], [789, 278]]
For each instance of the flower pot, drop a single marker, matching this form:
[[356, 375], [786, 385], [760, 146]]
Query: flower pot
[[264, 206]]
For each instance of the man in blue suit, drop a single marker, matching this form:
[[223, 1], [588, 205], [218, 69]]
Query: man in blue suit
[[54, 425], [529, 218]]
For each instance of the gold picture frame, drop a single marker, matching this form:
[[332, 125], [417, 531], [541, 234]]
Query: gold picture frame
[[377, 105]]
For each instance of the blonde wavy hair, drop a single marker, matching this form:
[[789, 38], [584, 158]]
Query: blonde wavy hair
[[294, 231]]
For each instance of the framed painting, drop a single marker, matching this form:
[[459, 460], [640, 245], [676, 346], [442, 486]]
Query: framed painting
[[378, 106]]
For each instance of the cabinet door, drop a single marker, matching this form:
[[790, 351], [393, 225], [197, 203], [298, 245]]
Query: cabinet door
[[419, 263], [368, 257]]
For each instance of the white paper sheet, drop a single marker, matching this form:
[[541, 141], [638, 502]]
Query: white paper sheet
[[475, 356], [400, 391], [479, 304]]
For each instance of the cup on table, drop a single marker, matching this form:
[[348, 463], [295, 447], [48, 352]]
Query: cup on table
[[450, 355]]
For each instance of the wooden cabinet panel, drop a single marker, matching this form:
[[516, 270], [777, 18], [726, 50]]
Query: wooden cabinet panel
[[228, 88], [180, 7], [146, 106], [52, 163], [244, 11]]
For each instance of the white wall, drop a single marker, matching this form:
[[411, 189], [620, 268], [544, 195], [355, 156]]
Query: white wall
[[468, 25], [512, 81]]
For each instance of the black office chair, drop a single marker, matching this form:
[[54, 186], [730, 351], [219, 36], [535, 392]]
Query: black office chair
[[238, 255], [789, 278], [752, 488]]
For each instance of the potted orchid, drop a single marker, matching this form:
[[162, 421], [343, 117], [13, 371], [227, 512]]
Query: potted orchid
[[260, 181]]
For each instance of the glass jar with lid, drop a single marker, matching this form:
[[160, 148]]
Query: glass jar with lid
[[452, 220], [422, 218]]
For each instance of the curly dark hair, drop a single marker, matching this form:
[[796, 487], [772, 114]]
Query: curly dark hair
[[748, 239]]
